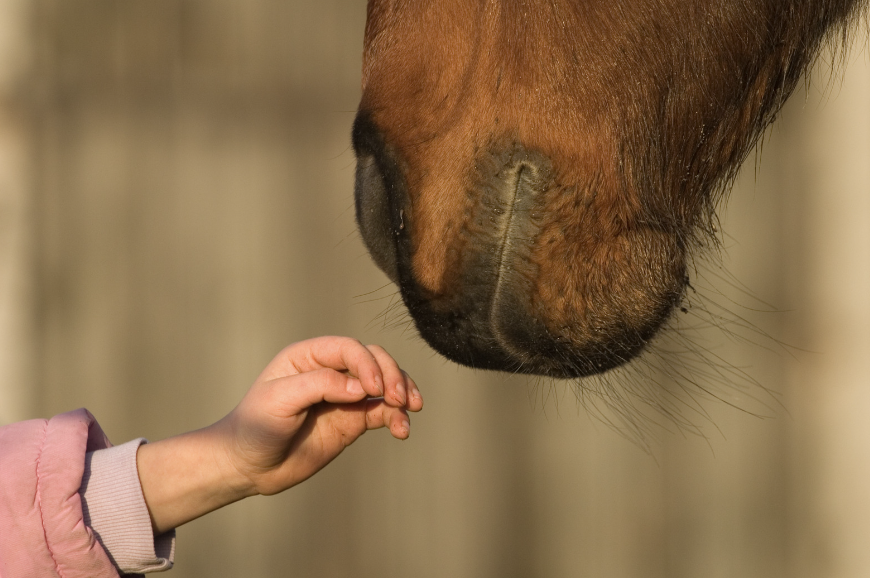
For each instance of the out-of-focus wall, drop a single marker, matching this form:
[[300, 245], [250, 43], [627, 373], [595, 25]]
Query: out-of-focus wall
[[176, 206], [16, 194]]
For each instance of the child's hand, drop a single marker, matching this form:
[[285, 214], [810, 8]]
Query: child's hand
[[312, 401], [308, 405]]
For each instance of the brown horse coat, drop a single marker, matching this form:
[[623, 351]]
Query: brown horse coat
[[534, 174]]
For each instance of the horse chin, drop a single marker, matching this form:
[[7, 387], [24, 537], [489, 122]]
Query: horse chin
[[518, 290]]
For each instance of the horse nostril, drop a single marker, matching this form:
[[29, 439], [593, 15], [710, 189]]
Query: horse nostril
[[380, 197], [374, 215]]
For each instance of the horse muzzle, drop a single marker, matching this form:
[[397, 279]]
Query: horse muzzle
[[519, 289]]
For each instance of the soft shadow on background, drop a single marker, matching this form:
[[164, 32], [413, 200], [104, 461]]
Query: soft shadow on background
[[176, 206]]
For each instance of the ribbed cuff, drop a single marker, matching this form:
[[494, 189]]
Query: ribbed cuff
[[115, 510]]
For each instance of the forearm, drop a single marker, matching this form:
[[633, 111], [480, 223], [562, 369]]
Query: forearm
[[187, 476]]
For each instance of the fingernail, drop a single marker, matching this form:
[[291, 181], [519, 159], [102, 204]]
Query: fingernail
[[354, 387], [379, 384], [406, 427], [400, 392]]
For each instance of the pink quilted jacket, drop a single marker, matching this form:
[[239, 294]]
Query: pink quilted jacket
[[42, 532]]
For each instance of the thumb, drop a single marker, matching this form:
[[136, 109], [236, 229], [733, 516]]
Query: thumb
[[298, 392]]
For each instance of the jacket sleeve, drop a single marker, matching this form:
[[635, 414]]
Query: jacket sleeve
[[115, 511], [42, 532]]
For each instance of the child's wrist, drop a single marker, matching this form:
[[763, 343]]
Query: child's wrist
[[187, 476]]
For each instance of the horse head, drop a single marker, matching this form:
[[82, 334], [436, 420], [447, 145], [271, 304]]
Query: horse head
[[534, 175]]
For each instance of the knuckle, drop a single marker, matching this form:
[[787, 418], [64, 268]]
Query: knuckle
[[376, 349], [350, 346]]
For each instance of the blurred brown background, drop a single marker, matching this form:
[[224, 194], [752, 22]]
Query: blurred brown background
[[176, 206]]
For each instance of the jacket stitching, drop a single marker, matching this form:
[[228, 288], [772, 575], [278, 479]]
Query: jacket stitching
[[39, 500]]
